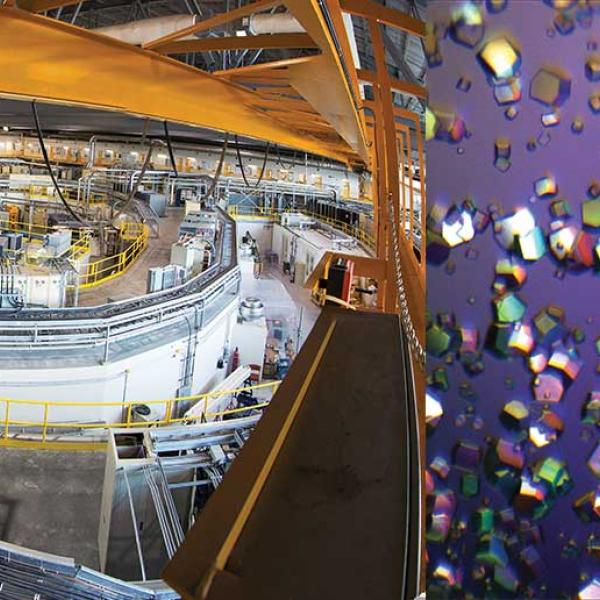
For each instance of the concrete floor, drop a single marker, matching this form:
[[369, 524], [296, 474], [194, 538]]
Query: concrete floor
[[133, 282], [283, 300], [50, 501]]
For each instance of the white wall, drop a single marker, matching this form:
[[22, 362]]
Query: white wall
[[151, 375], [260, 230], [131, 155]]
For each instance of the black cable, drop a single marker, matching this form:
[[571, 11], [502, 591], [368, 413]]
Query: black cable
[[215, 180], [239, 157], [49, 166], [139, 179], [262, 173], [170, 147], [264, 165]]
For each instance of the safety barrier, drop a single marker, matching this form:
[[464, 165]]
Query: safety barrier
[[45, 433], [109, 267], [357, 233], [31, 231]]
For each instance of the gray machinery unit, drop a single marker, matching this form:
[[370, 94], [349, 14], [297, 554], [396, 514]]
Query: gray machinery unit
[[58, 242], [163, 278], [199, 223], [157, 202]]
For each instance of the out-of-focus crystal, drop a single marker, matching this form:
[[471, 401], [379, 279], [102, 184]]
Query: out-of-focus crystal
[[545, 187], [590, 213], [440, 466], [577, 125], [592, 67], [590, 591], [433, 410], [437, 340], [550, 87], [500, 58], [442, 510], [466, 24], [506, 578], [594, 102], [431, 46], [560, 209], [491, 551], [508, 92], [551, 119], [594, 461], [587, 506], [431, 124], [463, 84]]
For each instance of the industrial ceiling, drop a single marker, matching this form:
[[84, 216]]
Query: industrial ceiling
[[404, 54]]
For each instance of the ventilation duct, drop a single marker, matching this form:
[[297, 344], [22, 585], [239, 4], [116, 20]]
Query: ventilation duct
[[273, 23], [146, 30]]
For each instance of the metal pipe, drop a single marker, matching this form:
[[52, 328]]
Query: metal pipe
[[146, 30], [274, 23]]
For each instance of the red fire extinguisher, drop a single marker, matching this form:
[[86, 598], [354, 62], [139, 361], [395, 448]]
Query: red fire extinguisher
[[235, 359]]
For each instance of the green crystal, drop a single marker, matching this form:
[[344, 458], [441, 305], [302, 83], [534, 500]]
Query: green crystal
[[509, 308], [469, 484], [437, 340], [591, 213]]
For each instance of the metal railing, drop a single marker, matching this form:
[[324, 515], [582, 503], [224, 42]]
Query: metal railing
[[358, 233], [107, 268], [85, 327], [49, 428]]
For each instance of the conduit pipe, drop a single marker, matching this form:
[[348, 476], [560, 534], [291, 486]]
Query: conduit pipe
[[146, 30], [273, 23]]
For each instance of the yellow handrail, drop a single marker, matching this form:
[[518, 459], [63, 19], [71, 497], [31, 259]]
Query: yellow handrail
[[46, 426], [109, 267], [260, 213]]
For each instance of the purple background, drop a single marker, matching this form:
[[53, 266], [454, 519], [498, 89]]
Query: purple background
[[574, 160]]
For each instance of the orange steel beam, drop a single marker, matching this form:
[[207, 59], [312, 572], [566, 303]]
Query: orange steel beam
[[323, 82], [38, 6], [392, 186], [369, 77], [246, 42], [383, 14], [215, 21], [258, 69], [65, 64]]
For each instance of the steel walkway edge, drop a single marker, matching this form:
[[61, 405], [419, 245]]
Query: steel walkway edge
[[324, 499]]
